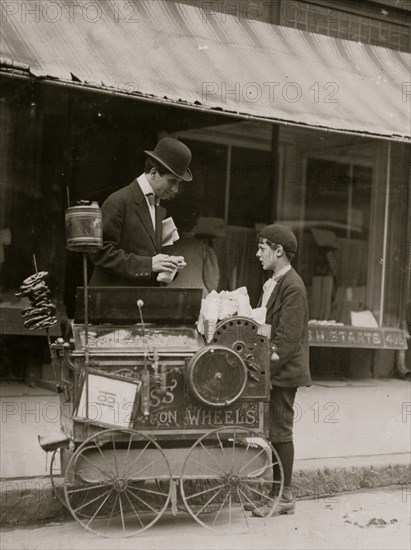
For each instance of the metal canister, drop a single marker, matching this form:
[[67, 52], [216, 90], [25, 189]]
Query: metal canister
[[83, 227]]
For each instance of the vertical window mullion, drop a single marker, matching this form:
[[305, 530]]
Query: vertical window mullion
[[227, 185]]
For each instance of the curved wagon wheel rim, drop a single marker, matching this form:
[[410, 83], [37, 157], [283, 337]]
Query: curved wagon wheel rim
[[231, 485], [120, 496], [58, 489]]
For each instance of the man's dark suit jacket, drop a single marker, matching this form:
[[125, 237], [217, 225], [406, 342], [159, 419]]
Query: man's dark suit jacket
[[129, 241], [287, 313]]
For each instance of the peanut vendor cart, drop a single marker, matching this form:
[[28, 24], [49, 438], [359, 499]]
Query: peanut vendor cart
[[155, 419]]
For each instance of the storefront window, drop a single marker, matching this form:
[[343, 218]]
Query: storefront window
[[398, 256], [32, 223], [250, 190], [233, 180], [337, 199], [350, 218], [331, 183], [209, 167], [348, 213]]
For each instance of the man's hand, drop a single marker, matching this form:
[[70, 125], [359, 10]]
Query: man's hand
[[180, 261], [162, 262]]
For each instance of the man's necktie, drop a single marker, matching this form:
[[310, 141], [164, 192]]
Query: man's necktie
[[153, 202], [152, 199]]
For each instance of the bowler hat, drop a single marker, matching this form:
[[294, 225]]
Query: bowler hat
[[280, 234], [173, 155]]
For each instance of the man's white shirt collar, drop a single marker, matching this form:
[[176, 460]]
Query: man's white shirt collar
[[147, 189], [145, 185]]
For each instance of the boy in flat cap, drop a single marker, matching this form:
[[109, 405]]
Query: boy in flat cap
[[285, 298], [131, 254]]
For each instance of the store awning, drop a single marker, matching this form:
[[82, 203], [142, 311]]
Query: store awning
[[164, 51]]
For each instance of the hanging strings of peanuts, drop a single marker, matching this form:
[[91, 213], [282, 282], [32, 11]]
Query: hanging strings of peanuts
[[41, 314]]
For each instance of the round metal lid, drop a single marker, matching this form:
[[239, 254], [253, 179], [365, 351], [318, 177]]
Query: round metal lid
[[217, 376]]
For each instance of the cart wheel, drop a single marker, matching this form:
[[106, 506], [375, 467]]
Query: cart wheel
[[111, 483], [226, 469], [58, 488]]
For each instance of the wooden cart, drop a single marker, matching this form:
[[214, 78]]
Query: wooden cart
[[155, 420]]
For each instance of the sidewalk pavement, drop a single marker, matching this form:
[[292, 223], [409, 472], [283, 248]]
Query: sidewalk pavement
[[348, 435]]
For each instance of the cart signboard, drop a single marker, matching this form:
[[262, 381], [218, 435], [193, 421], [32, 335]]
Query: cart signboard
[[112, 400]]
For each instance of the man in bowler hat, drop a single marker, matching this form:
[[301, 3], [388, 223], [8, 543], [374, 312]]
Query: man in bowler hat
[[132, 221], [284, 295]]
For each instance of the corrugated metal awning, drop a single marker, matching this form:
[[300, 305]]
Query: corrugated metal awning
[[166, 51]]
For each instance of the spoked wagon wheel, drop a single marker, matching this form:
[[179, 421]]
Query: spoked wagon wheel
[[111, 483], [58, 488], [226, 469]]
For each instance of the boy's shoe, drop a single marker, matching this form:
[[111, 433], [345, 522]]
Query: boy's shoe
[[264, 500], [251, 506], [283, 507]]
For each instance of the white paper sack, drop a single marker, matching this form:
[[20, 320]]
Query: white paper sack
[[166, 276], [244, 307], [171, 239], [259, 315], [208, 318], [208, 311], [228, 307], [216, 307], [169, 232], [200, 320], [235, 294]]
